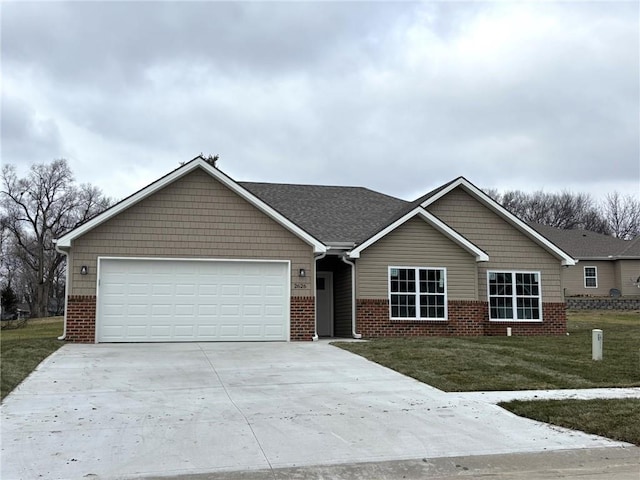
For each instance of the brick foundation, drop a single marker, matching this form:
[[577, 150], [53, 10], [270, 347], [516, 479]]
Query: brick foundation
[[303, 318], [81, 318], [466, 318], [554, 322]]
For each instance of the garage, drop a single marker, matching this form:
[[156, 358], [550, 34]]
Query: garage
[[168, 300]]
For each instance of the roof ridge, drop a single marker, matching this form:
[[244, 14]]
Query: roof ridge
[[305, 185], [350, 187]]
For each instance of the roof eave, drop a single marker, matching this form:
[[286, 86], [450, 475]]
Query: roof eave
[[540, 239], [65, 241], [480, 255]]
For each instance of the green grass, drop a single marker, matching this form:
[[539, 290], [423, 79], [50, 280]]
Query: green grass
[[618, 419], [21, 350], [458, 364]]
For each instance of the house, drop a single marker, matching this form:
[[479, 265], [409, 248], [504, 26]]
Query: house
[[608, 266], [198, 256]]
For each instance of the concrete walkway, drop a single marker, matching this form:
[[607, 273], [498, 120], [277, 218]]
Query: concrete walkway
[[568, 394], [152, 410]]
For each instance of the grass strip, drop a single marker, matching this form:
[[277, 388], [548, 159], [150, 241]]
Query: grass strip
[[22, 350], [618, 419]]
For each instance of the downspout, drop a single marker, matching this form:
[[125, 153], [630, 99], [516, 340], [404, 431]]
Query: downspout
[[66, 290], [315, 296], [353, 296]]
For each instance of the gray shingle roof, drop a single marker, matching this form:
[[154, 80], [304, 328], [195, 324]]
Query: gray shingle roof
[[330, 213], [586, 244], [632, 250]]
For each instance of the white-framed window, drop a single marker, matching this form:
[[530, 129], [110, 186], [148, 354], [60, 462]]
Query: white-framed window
[[417, 293], [514, 296], [590, 277]]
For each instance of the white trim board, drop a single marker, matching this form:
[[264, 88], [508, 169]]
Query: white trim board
[[442, 227], [479, 195], [198, 162]]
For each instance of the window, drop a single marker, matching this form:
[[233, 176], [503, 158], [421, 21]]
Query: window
[[591, 277], [514, 296], [418, 293]]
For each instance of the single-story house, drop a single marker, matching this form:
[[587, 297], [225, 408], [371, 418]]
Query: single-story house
[[197, 256], [607, 266]]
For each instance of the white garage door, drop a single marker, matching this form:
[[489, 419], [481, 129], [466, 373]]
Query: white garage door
[[181, 300]]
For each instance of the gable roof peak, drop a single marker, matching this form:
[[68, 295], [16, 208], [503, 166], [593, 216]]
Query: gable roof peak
[[208, 166], [502, 212]]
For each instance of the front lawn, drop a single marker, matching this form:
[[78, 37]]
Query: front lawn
[[21, 350], [613, 418], [457, 364]]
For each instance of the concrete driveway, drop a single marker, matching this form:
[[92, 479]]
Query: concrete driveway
[[124, 411]]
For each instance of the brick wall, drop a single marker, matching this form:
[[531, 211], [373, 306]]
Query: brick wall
[[81, 318], [554, 316], [303, 318], [466, 318]]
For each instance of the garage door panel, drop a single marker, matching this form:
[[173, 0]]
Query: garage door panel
[[160, 310], [229, 330], [230, 290], [273, 310], [205, 310], [251, 310], [141, 289], [186, 289], [158, 300], [161, 331], [273, 291], [136, 331], [184, 331], [252, 290], [133, 310]]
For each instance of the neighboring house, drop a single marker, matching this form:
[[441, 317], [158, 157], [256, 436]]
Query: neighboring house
[[197, 256], [606, 265]]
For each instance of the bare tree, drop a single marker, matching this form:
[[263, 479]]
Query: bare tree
[[565, 210], [37, 209], [622, 213]]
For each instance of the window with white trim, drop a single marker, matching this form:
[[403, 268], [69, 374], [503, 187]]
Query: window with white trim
[[590, 277], [514, 296], [418, 293]]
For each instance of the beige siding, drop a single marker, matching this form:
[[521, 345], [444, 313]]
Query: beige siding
[[573, 278], [629, 274], [507, 247], [194, 217], [416, 244]]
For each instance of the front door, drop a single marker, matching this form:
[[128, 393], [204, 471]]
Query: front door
[[324, 304]]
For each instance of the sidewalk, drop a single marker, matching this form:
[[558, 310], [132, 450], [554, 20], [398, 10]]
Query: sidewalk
[[595, 464], [568, 394]]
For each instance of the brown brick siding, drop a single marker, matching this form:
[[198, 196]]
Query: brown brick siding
[[81, 318], [303, 318], [554, 322], [466, 318]]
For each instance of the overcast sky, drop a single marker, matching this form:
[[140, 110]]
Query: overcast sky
[[397, 97]]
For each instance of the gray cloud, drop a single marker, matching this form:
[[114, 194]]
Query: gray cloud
[[26, 138], [397, 97]]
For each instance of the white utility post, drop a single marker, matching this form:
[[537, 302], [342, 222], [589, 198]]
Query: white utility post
[[596, 344]]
